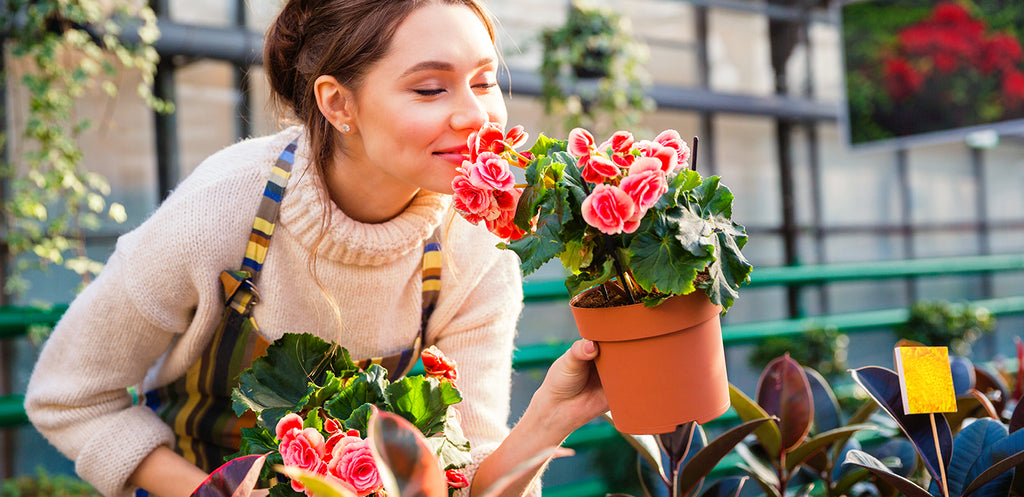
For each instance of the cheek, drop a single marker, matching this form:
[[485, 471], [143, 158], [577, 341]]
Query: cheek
[[496, 109]]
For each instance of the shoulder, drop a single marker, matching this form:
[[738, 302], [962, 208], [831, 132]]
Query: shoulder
[[208, 216]]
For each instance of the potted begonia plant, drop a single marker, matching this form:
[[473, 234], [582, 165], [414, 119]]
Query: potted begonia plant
[[652, 254]]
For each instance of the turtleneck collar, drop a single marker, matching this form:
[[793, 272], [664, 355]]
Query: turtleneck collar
[[346, 240]]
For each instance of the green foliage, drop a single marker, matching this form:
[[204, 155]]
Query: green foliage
[[303, 374], [69, 48], [43, 484], [593, 44], [822, 349], [938, 323]]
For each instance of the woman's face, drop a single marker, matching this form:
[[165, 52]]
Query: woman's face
[[416, 108]]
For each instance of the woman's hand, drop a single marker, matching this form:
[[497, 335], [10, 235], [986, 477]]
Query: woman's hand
[[571, 391]]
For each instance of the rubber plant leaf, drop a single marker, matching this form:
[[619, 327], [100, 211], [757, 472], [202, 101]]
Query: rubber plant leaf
[[646, 447], [764, 475], [783, 391], [423, 400], [317, 484], [993, 387], [280, 380], [1017, 418], [971, 455], [682, 443], [726, 487], [748, 410], [826, 406], [692, 472], [235, 478], [962, 370], [821, 442], [405, 462], [884, 388], [868, 462]]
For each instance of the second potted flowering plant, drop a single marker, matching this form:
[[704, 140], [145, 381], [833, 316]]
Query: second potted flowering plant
[[640, 232]]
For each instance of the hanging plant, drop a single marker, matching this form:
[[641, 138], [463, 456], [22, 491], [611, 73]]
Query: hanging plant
[[67, 48], [592, 71]]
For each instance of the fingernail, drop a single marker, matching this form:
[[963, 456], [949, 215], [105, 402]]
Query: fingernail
[[589, 347]]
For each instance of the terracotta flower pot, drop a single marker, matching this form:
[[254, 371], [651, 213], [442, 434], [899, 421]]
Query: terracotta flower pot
[[662, 366]]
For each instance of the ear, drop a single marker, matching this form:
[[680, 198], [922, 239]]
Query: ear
[[335, 102]]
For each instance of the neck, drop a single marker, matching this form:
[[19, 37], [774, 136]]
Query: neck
[[366, 197]]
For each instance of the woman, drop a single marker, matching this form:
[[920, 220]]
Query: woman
[[387, 93]]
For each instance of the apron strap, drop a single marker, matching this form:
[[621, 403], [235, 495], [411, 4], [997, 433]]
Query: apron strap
[[266, 214]]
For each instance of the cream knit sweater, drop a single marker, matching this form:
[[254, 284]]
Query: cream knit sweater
[[149, 315]]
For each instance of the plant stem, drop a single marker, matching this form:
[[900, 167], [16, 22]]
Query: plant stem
[[618, 267], [693, 155]]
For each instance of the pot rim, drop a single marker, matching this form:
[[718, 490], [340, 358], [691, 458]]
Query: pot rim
[[674, 314]]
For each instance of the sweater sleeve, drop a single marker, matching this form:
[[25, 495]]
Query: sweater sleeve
[[149, 312], [475, 325]]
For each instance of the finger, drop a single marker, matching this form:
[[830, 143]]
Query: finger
[[584, 350]]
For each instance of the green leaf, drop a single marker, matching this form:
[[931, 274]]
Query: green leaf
[[748, 410], [319, 485], [660, 257], [364, 388], [279, 382], [729, 268], [451, 446], [423, 401], [359, 419], [867, 461], [546, 146], [802, 452]]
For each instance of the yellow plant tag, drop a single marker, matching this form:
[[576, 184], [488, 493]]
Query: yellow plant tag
[[926, 381]]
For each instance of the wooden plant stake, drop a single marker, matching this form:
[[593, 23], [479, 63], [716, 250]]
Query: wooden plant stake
[[926, 384]]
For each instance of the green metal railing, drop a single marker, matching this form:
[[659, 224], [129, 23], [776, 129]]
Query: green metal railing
[[15, 322]]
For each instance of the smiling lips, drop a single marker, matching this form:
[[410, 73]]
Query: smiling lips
[[454, 155]]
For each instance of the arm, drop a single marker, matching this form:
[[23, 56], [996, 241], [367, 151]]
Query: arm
[[166, 474], [569, 397]]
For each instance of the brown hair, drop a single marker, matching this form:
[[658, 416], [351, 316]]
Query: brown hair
[[340, 38]]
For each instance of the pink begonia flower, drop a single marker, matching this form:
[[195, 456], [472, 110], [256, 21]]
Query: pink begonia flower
[[620, 143], [286, 424], [303, 449], [670, 138], [487, 139], [489, 171], [516, 136], [472, 202], [335, 439], [332, 425], [580, 143], [504, 226], [596, 168], [610, 210], [667, 155], [352, 462], [645, 183]]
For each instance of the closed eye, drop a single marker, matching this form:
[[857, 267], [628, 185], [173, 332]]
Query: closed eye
[[430, 92]]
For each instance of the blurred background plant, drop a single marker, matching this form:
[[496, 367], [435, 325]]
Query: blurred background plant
[[43, 484], [823, 349], [592, 71], [940, 323], [66, 51]]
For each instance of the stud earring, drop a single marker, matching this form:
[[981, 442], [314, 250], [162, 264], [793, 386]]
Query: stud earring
[[345, 128]]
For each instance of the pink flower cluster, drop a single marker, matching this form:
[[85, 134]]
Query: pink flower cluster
[[484, 189], [629, 176], [343, 455]]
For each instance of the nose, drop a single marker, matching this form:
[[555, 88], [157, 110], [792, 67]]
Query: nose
[[470, 112]]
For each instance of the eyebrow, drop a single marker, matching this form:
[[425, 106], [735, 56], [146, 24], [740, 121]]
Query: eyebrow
[[437, 65]]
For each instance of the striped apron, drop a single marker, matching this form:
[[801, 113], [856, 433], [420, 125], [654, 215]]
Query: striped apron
[[198, 405]]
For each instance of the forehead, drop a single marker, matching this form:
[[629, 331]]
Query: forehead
[[446, 33]]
